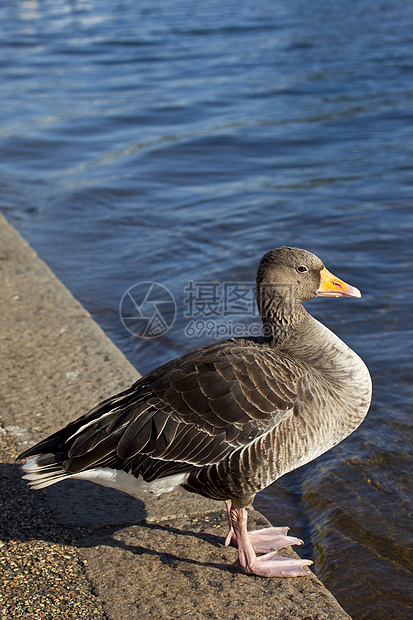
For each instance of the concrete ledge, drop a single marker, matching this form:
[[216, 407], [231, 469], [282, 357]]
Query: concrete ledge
[[77, 550]]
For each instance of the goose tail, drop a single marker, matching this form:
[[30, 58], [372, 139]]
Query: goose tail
[[44, 470]]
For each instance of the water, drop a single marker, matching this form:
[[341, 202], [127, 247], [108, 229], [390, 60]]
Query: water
[[168, 142]]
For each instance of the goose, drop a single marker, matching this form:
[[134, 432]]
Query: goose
[[228, 419]]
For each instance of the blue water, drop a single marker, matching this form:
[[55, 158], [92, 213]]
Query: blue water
[[176, 141]]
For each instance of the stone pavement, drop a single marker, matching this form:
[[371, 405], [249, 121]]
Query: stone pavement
[[77, 550]]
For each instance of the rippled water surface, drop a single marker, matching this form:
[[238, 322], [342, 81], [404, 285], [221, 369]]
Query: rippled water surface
[[177, 141]]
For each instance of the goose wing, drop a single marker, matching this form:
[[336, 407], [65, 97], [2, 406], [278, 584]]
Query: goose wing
[[188, 413]]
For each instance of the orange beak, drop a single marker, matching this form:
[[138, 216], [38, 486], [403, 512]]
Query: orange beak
[[333, 287]]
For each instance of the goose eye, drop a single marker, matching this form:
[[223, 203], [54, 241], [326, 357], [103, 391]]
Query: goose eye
[[302, 269]]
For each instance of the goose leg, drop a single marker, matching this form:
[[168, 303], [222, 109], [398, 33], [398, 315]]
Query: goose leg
[[268, 565], [231, 533]]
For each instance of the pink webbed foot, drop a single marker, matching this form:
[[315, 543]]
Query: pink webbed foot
[[272, 538], [268, 565], [274, 565], [264, 540]]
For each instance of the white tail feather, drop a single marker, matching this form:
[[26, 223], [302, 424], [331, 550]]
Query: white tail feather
[[41, 476]]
